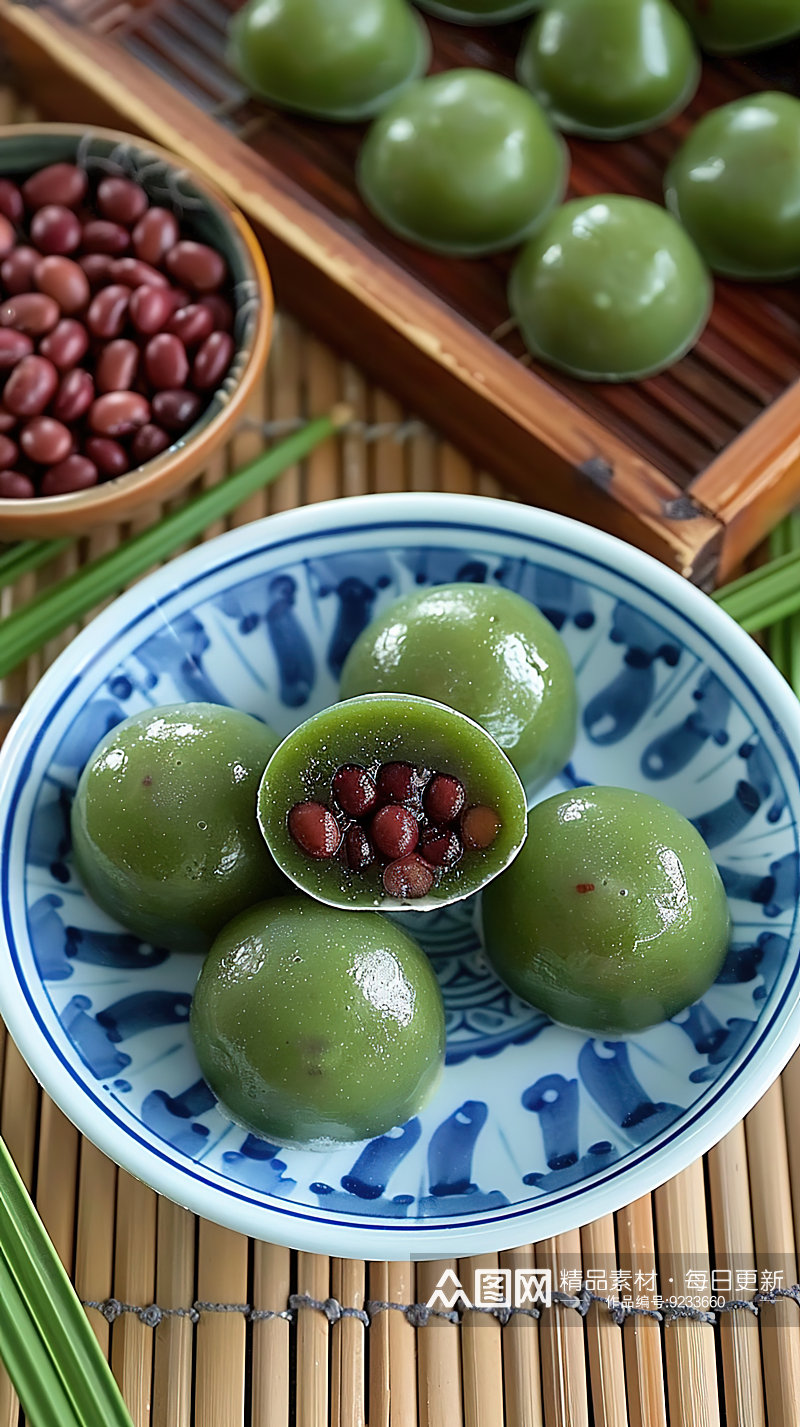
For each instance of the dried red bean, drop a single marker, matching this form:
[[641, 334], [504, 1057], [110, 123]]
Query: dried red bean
[[13, 347], [100, 236], [46, 441], [121, 200], [156, 232], [148, 443], [166, 362], [408, 878], [15, 486], [314, 828], [212, 361], [354, 790], [7, 235], [66, 345], [444, 798], [76, 473], [108, 310], [357, 849], [8, 452], [109, 456], [57, 183], [394, 831], [18, 268], [397, 783], [196, 265], [64, 281], [220, 310], [117, 366], [97, 267], [441, 847], [7, 420], [151, 308], [134, 273], [30, 387], [192, 324], [11, 204], [74, 396], [479, 827], [117, 413], [176, 410], [31, 312], [55, 229]]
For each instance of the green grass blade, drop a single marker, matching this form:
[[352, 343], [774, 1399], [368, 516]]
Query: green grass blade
[[26, 556], [28, 1361]]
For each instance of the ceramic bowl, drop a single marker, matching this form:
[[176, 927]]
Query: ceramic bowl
[[212, 219], [535, 1129]]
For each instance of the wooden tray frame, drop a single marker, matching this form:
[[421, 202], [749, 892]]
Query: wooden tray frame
[[504, 416]]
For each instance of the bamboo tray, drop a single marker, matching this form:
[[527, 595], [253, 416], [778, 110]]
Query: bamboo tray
[[695, 465]]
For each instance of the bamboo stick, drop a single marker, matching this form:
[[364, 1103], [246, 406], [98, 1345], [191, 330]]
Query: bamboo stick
[[386, 460], [642, 1337], [790, 1086], [18, 1121], [94, 1239], [347, 1346], [271, 1284], [380, 1401], [481, 1353], [603, 1337], [439, 1356], [287, 403], [323, 467], [775, 1250], [521, 1366], [402, 1347], [355, 461], [734, 1249], [690, 1345], [220, 1352], [561, 1341], [174, 1338], [134, 1282], [313, 1278]]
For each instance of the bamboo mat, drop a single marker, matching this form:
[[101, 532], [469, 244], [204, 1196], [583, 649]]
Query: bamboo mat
[[206, 1327]]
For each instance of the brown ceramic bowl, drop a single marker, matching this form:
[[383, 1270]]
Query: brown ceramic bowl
[[209, 216]]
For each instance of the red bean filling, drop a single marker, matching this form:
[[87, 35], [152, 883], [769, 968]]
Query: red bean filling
[[114, 330], [413, 821]]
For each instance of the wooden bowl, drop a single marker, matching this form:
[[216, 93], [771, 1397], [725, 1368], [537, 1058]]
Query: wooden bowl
[[210, 217]]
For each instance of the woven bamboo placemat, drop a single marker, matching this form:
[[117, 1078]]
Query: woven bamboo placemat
[[205, 1327]]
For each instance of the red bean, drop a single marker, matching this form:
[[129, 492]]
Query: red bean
[[155, 233], [109, 456], [220, 310], [196, 265], [57, 183], [11, 204], [358, 850], [354, 790], [8, 452], [64, 281], [66, 345], [7, 235], [441, 847], [13, 347], [18, 268], [108, 311], [15, 486], [192, 324], [31, 312], [394, 831], [479, 827], [55, 229], [76, 473], [444, 798], [134, 273], [97, 267], [7, 420], [148, 442], [314, 828], [117, 413], [121, 200], [30, 387], [397, 782], [166, 362], [46, 441], [74, 396], [408, 877], [117, 366], [151, 308], [100, 236], [176, 410], [212, 361]]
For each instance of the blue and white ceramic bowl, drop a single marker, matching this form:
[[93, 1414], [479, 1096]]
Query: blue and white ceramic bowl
[[535, 1129]]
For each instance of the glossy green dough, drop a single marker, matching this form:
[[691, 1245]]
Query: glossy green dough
[[611, 289], [736, 26], [463, 163], [164, 824], [382, 728], [479, 12], [613, 917], [315, 1026], [334, 59], [735, 186], [608, 70], [485, 651]]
